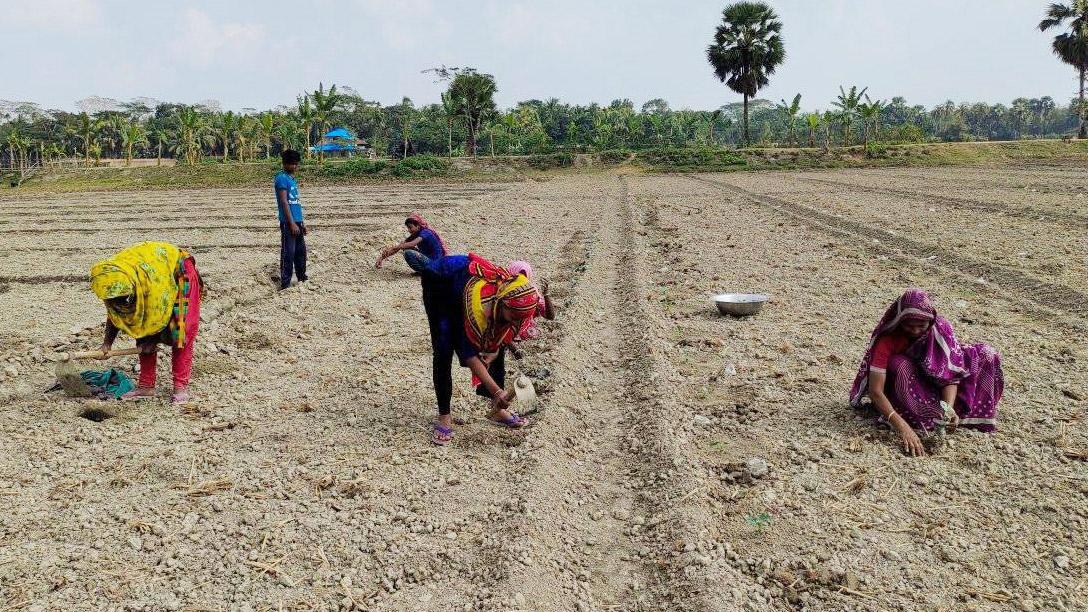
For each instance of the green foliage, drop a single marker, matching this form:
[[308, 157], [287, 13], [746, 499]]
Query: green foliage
[[876, 150], [690, 160], [421, 165], [614, 156], [548, 162], [358, 166]]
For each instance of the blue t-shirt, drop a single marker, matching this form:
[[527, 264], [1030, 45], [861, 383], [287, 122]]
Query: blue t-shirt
[[429, 244], [287, 182]]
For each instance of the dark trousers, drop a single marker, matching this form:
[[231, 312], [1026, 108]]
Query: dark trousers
[[442, 346], [292, 254]]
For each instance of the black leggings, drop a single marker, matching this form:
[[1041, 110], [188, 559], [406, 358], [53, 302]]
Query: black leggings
[[441, 348]]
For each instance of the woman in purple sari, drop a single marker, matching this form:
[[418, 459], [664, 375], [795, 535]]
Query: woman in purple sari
[[919, 377]]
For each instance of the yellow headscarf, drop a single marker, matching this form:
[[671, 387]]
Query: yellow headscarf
[[489, 285], [146, 272]]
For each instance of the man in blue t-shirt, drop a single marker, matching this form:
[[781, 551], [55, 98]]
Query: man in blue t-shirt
[[292, 229]]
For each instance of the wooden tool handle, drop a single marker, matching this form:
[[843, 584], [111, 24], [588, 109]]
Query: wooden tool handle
[[95, 354]]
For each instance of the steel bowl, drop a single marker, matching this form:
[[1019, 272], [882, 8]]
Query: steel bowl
[[740, 304]]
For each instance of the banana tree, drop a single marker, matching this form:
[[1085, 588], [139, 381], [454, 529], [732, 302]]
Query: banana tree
[[225, 127], [305, 113], [789, 113], [869, 111], [847, 103], [325, 103], [267, 124], [133, 136], [813, 122]]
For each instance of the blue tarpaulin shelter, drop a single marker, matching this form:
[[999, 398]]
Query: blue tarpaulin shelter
[[339, 140]]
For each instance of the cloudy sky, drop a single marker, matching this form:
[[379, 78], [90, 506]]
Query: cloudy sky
[[263, 53]]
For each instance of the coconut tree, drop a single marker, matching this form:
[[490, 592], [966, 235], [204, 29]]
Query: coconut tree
[[789, 113], [134, 135], [473, 95], [847, 103], [747, 49], [1071, 46]]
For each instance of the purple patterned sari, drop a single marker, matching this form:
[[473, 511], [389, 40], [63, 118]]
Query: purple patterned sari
[[934, 361]]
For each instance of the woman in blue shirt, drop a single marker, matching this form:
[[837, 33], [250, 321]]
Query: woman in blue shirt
[[473, 308], [421, 240]]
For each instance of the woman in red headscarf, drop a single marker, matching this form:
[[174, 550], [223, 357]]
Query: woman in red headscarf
[[473, 307]]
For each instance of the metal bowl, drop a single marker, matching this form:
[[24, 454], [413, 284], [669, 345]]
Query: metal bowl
[[740, 304]]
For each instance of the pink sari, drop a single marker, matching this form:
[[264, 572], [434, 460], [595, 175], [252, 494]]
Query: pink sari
[[932, 362]]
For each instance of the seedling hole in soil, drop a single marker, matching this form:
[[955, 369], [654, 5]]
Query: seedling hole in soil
[[95, 414]]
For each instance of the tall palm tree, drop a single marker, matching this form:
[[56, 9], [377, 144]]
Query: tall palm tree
[[847, 103], [325, 103], [473, 94], [789, 113], [134, 135], [747, 49], [1071, 46]]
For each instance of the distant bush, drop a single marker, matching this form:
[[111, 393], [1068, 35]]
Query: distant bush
[[876, 150], [420, 165], [357, 166], [690, 160], [553, 160], [614, 156]]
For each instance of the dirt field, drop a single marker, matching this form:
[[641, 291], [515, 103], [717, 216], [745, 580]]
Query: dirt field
[[681, 460]]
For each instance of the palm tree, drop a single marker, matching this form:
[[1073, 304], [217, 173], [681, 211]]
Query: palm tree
[[306, 119], [1071, 46], [267, 123], [325, 104], [225, 127], [132, 136], [847, 103], [747, 49], [473, 95], [789, 112], [813, 121]]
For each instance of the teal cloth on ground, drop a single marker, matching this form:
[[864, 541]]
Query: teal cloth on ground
[[108, 383]]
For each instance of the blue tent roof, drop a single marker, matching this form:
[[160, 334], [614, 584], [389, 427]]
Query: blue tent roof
[[340, 133], [332, 147]]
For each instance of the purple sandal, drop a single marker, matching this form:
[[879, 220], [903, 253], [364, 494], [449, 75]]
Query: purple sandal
[[440, 435], [511, 422]]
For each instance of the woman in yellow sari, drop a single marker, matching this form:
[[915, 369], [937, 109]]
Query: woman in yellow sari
[[152, 292]]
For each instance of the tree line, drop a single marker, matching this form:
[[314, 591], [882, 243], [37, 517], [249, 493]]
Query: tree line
[[746, 50]]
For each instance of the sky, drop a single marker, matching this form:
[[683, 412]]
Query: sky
[[260, 54]]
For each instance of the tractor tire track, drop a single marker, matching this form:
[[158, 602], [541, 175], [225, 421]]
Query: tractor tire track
[[1053, 301], [1069, 219]]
